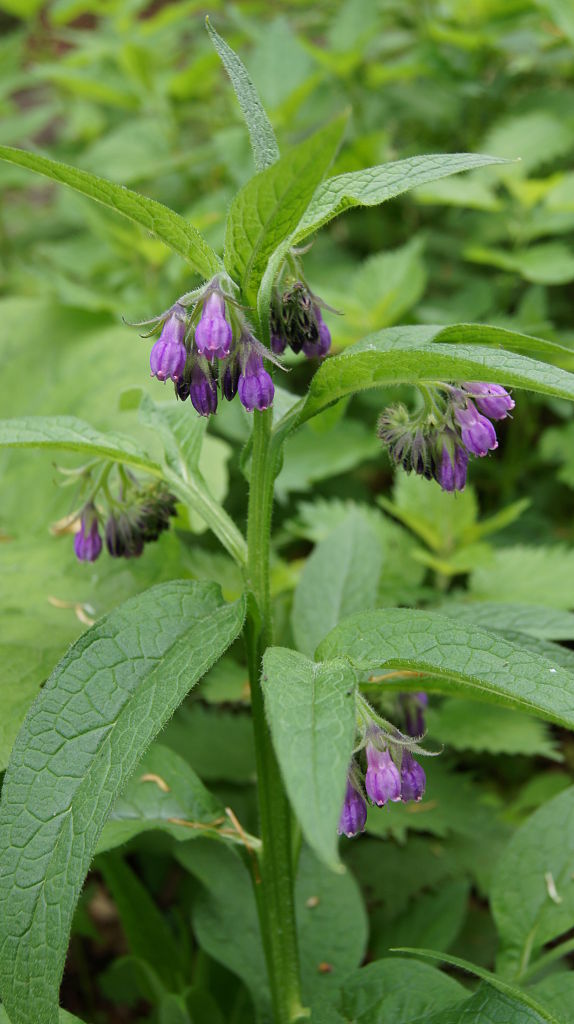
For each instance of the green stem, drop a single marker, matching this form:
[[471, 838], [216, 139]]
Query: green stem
[[274, 890], [193, 492]]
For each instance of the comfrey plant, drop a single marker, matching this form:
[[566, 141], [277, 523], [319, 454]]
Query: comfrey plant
[[322, 752]]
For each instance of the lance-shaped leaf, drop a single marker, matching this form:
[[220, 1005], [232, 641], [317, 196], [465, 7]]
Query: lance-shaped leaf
[[311, 710], [103, 704], [407, 355], [159, 220], [261, 134], [458, 659], [266, 210], [374, 185]]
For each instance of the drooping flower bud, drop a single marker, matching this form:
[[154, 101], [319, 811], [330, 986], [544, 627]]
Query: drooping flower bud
[[203, 391], [382, 781], [451, 470], [87, 542], [492, 399], [168, 355], [256, 389], [213, 335], [413, 779], [478, 434], [318, 346], [414, 705], [278, 344], [354, 813], [230, 379], [123, 538]]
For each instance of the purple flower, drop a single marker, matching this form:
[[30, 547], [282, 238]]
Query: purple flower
[[382, 781], [452, 468], [123, 538], [230, 380], [354, 813], [203, 391], [278, 344], [319, 344], [255, 386], [414, 705], [213, 334], [87, 542], [478, 434], [168, 355], [413, 779], [492, 399]]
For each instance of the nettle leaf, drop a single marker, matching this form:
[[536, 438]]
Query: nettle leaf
[[261, 134], [458, 658], [266, 210], [464, 725], [340, 577], [159, 220], [103, 704], [532, 895], [536, 620], [406, 355], [311, 711], [374, 185], [397, 991]]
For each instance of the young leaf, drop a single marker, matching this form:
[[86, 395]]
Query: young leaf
[[311, 710], [261, 134], [266, 210], [532, 894], [340, 577], [375, 185], [103, 704], [159, 220], [458, 658]]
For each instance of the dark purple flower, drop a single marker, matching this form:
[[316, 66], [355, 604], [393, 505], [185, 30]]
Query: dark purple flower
[[382, 781], [414, 705], [478, 434], [492, 399], [354, 813], [213, 334], [203, 391], [123, 538], [255, 386], [278, 344], [168, 355], [318, 342], [87, 542], [230, 380], [413, 779], [452, 468]]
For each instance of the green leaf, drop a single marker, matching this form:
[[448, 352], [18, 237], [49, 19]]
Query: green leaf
[[557, 992], [266, 210], [531, 575], [70, 434], [63, 1018], [434, 918], [340, 577], [165, 793], [524, 1007], [24, 667], [457, 657], [464, 725], [261, 134], [375, 185], [397, 991], [310, 456], [406, 355], [532, 896], [159, 220], [490, 1006], [536, 620], [311, 712], [103, 704]]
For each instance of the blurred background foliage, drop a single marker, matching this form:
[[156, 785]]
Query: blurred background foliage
[[133, 90]]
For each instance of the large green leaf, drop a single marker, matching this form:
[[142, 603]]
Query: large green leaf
[[311, 711], [156, 218], [375, 185], [104, 702], [397, 991], [261, 134], [266, 210], [405, 355], [340, 577], [532, 894], [458, 659]]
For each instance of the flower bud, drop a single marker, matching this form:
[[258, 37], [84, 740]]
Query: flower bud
[[203, 391], [278, 344], [413, 779], [255, 386], [478, 434], [87, 542], [451, 470], [382, 781], [230, 380], [213, 334], [414, 705], [123, 538], [492, 399], [354, 813], [168, 355]]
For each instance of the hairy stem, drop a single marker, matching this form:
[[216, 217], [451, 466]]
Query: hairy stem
[[274, 890]]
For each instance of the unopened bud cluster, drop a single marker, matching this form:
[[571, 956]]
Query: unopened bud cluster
[[297, 322], [392, 774], [137, 517], [454, 424]]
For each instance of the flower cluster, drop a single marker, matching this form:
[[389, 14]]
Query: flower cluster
[[392, 774], [138, 518], [296, 321], [454, 423]]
